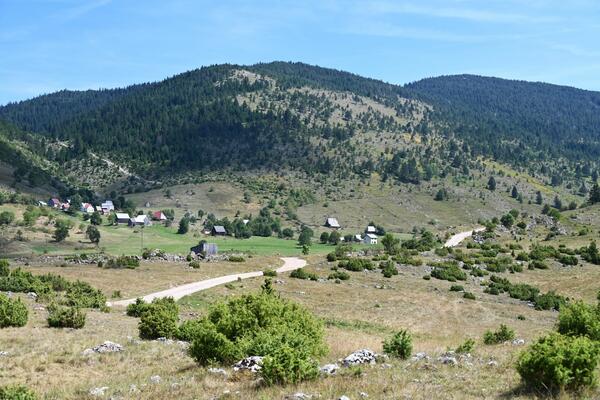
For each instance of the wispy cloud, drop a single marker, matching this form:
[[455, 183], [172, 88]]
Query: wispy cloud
[[469, 14], [80, 9]]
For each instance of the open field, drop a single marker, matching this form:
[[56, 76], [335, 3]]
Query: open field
[[358, 313]]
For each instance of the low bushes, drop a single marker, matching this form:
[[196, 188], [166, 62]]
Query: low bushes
[[556, 362], [399, 345], [236, 259], [287, 335], [270, 272], [65, 317], [356, 264], [466, 347], [16, 393], [448, 271], [136, 309], [130, 262], [158, 319], [580, 319], [388, 268], [12, 312], [503, 334], [302, 274], [341, 275], [469, 296], [457, 288]]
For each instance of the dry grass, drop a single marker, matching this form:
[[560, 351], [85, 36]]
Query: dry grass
[[358, 315]]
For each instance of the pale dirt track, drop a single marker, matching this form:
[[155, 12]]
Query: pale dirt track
[[459, 237], [289, 264]]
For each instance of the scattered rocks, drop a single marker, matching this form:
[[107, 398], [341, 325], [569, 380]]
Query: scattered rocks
[[252, 364], [279, 281], [420, 356], [155, 379], [448, 358], [32, 295], [4, 353], [492, 363], [99, 391], [329, 369], [217, 371], [344, 397], [363, 395], [299, 396], [518, 342], [133, 389], [106, 347], [363, 356]]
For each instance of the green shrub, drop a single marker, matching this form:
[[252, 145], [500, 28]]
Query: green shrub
[[579, 319], [537, 264], [427, 277], [236, 259], [557, 362], [466, 347], [566, 259], [258, 324], [523, 256], [65, 317], [83, 295], [4, 270], [388, 268], [188, 330], [288, 365], [194, 264], [448, 271], [356, 264], [136, 309], [549, 301], [12, 312], [503, 334], [331, 257], [469, 296], [130, 262], [301, 273], [159, 319], [16, 393], [399, 345], [457, 288], [270, 272], [341, 275]]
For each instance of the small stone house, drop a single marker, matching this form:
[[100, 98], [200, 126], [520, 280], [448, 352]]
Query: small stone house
[[332, 223], [218, 230], [122, 218], [370, 239]]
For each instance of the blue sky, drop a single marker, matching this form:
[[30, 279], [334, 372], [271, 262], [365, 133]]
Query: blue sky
[[48, 45]]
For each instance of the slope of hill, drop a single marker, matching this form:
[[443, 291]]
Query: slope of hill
[[292, 116]]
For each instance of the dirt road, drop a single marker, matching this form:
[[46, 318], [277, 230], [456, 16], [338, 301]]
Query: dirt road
[[459, 237], [289, 264]]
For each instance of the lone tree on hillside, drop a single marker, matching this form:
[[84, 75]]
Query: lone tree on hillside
[[184, 226], [538, 198], [96, 219], [62, 230], [514, 193], [595, 194], [390, 243], [491, 185], [93, 234]]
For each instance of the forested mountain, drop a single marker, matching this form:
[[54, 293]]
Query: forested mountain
[[291, 115]]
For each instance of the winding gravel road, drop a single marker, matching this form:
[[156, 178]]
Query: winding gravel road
[[177, 292], [459, 237]]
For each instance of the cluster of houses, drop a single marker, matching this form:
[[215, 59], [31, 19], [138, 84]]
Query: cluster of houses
[[105, 208], [369, 237]]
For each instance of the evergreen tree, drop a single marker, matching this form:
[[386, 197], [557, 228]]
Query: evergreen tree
[[538, 198], [491, 185], [184, 226], [595, 194], [514, 193], [93, 234]]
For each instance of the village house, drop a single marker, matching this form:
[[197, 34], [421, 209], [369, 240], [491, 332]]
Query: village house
[[87, 208], [54, 202], [218, 230], [371, 229], [370, 239], [332, 223], [107, 206], [65, 206], [140, 220], [122, 218], [159, 216], [358, 238], [205, 249]]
